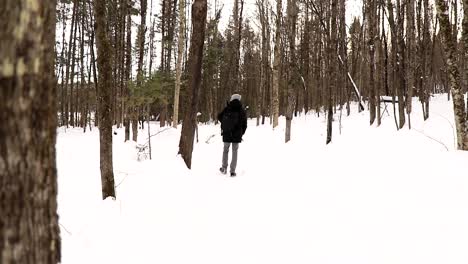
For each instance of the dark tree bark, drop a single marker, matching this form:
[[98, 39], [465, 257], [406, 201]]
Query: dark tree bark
[[465, 47], [29, 229], [401, 67], [292, 12], [141, 54], [104, 98], [371, 26], [199, 9], [92, 26], [68, 63], [331, 53], [73, 62], [128, 69], [410, 51]]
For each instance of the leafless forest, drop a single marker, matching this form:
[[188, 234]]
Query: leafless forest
[[105, 63]]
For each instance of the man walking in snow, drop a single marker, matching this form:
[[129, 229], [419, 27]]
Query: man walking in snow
[[233, 125]]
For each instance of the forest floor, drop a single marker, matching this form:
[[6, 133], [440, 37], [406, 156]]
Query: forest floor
[[374, 195]]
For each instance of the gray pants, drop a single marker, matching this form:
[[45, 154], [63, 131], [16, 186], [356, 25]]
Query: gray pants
[[235, 147]]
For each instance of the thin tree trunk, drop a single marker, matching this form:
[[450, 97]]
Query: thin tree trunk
[[180, 53], [292, 11], [29, 228], [141, 54], [69, 58], [149, 130], [72, 74], [276, 62], [83, 86], [104, 97], [199, 9], [410, 48], [128, 69], [93, 65], [62, 68], [371, 12], [332, 48], [401, 63]]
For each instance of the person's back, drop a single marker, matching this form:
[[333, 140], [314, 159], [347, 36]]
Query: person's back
[[233, 126], [233, 122]]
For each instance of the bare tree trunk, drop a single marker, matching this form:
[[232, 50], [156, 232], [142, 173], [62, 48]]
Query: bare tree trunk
[[238, 12], [29, 228], [449, 42], [93, 65], [410, 48], [83, 86], [141, 55], [104, 97], [292, 10], [128, 69], [465, 47], [276, 62], [371, 25], [332, 48], [265, 62], [72, 74], [148, 108], [401, 63], [180, 53], [69, 58], [62, 68], [199, 9], [163, 33], [380, 64]]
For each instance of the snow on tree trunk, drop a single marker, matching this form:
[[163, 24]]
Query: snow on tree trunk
[[29, 229]]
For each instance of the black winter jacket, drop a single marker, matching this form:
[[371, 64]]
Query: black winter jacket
[[239, 130]]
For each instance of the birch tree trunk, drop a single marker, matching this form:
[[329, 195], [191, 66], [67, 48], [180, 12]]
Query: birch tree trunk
[[199, 9], [29, 228], [104, 98], [180, 54], [449, 42]]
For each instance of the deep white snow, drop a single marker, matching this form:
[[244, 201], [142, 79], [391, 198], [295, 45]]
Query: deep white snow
[[375, 195]]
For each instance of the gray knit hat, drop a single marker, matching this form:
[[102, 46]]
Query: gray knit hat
[[236, 96]]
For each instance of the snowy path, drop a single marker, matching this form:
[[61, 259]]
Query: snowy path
[[374, 196]]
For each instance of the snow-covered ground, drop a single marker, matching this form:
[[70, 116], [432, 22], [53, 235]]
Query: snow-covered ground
[[375, 195]]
